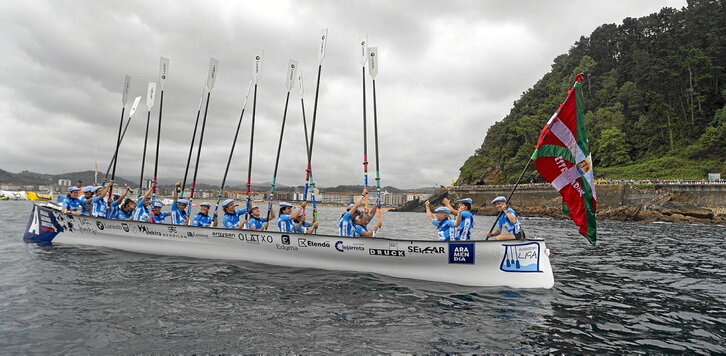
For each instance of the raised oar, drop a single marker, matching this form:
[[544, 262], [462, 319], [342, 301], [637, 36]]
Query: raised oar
[[307, 142], [211, 77], [363, 59], [257, 72], [311, 180], [291, 69], [137, 100], [194, 137], [163, 71], [373, 71], [150, 95], [231, 151], [124, 99]]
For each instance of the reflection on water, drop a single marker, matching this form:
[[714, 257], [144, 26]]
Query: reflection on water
[[645, 288]]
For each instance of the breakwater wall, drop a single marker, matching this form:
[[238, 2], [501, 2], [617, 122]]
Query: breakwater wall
[[685, 202]]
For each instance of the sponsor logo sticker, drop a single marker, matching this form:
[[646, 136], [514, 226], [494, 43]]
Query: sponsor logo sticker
[[389, 253], [427, 249], [341, 247], [461, 254]]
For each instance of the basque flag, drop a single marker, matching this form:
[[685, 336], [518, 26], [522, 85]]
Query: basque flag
[[562, 157]]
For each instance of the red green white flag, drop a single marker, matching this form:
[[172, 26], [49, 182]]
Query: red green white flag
[[562, 157]]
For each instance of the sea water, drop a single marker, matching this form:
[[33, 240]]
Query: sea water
[[645, 288]]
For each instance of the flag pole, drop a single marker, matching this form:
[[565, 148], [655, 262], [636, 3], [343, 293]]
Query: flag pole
[[373, 71], [257, 72], [211, 78], [363, 60], [290, 82], [231, 151], [311, 180], [510, 194], [150, 95]]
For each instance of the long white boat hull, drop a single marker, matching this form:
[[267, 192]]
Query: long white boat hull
[[516, 264]]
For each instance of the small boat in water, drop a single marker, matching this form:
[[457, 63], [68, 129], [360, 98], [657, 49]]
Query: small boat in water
[[14, 194], [513, 263], [38, 196]]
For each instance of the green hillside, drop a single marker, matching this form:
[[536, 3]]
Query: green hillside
[[655, 95]]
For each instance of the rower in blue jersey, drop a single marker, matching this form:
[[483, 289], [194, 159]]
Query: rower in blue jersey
[[257, 222], [141, 212], [284, 222], [159, 216], [508, 221], [464, 222], [444, 226], [346, 225], [302, 227], [126, 210], [231, 219], [100, 207], [202, 218], [87, 200], [116, 203], [179, 208], [361, 225], [71, 204]]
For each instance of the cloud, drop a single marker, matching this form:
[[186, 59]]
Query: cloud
[[448, 71]]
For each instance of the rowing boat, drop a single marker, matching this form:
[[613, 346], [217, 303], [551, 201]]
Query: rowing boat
[[515, 264]]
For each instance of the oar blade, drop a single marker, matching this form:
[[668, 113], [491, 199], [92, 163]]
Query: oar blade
[[323, 45], [125, 96], [300, 82], [137, 100], [212, 73], [163, 71], [373, 61], [257, 65], [291, 74], [150, 95], [363, 40]]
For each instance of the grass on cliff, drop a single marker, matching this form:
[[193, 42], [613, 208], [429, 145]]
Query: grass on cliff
[[667, 167]]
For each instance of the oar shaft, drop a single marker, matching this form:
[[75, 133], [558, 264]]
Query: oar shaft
[[158, 139], [252, 143], [365, 140], [229, 160], [199, 153], [375, 137], [115, 153], [277, 158], [307, 150], [143, 157], [191, 150]]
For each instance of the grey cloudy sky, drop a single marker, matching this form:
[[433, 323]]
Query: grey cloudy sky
[[448, 70]]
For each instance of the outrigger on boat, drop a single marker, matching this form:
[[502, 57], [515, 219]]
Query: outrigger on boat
[[513, 263]]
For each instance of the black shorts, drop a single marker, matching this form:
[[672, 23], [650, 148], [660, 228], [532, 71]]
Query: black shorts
[[519, 235]]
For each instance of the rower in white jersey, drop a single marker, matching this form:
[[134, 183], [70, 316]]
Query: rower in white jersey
[[346, 225], [179, 208]]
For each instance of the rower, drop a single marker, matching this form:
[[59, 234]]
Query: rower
[[116, 202], [126, 212], [302, 227], [361, 223], [231, 218], [464, 218], [508, 220], [71, 204], [257, 222], [159, 216], [202, 218], [444, 226], [285, 221], [346, 226], [86, 199], [179, 208], [100, 207], [141, 212]]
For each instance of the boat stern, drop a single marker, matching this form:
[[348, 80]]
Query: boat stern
[[42, 226]]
